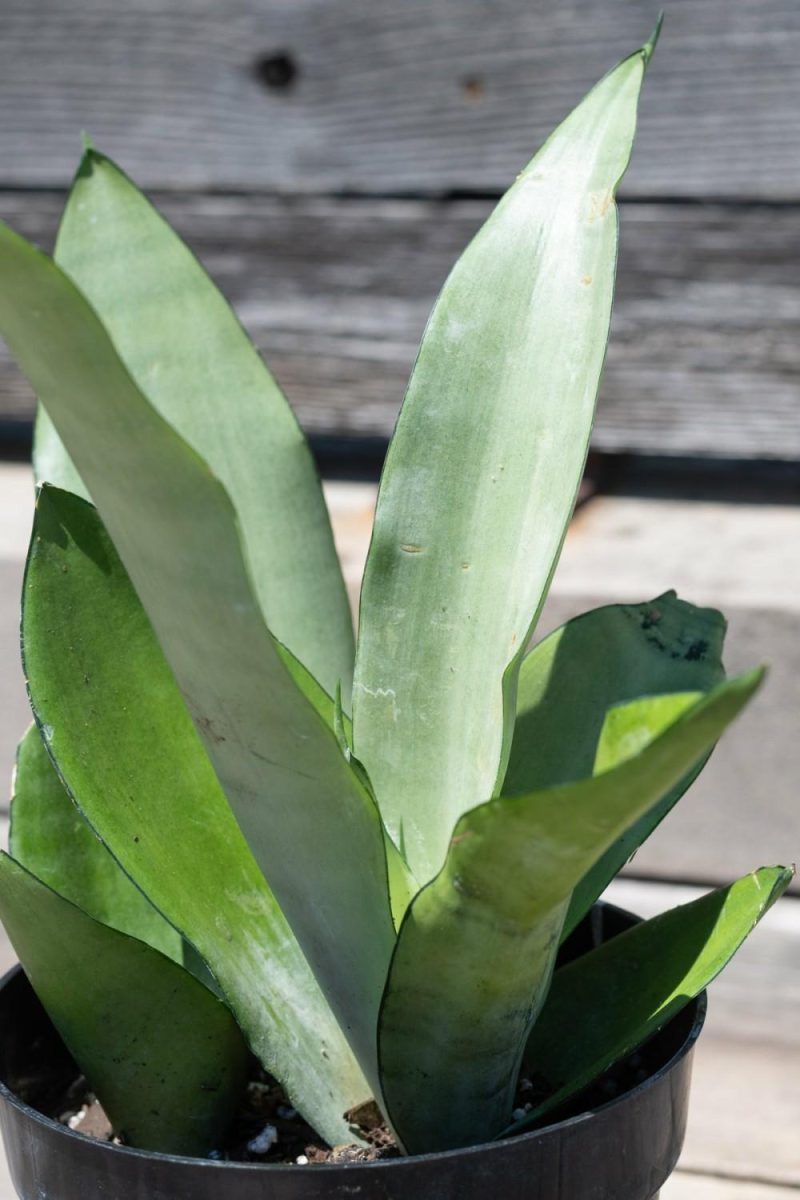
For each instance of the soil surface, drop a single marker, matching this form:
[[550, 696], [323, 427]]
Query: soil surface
[[267, 1129]]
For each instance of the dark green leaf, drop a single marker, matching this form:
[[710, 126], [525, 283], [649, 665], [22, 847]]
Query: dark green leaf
[[50, 838], [162, 1052], [303, 810], [605, 657], [606, 1003], [478, 944], [569, 681], [127, 750]]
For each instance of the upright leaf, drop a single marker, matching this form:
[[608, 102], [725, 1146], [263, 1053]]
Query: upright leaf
[[476, 950], [163, 1054], [607, 656], [186, 351], [594, 1017], [482, 475], [627, 728], [127, 751], [571, 679], [305, 813], [50, 838]]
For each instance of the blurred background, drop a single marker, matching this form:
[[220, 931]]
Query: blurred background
[[327, 160]]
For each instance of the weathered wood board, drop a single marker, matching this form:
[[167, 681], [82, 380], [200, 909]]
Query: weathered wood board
[[424, 95], [685, 1185], [705, 348]]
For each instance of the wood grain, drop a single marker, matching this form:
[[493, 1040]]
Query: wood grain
[[427, 95], [705, 349], [687, 1186]]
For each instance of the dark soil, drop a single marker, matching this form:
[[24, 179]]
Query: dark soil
[[267, 1129], [621, 1078]]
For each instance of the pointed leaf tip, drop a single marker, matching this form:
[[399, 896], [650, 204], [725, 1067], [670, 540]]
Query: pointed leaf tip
[[593, 1018], [519, 289], [648, 49]]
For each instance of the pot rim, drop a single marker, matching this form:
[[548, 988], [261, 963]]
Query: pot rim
[[700, 1004]]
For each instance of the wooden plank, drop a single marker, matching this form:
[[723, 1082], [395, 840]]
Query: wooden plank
[[331, 95], [705, 350], [745, 1107], [685, 1186]]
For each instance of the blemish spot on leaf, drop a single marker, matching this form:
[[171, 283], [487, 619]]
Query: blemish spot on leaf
[[586, 279], [656, 641], [697, 650], [599, 204], [410, 548], [651, 618]]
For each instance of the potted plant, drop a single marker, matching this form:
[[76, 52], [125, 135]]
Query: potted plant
[[241, 844]]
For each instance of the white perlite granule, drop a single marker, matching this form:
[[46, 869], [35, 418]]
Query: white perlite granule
[[263, 1142]]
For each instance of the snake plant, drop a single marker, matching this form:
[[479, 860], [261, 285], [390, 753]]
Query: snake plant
[[235, 830]]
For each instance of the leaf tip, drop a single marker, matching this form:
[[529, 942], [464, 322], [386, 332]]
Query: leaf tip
[[781, 879], [648, 49], [91, 158]]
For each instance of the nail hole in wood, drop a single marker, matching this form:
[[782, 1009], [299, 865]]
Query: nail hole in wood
[[276, 71], [473, 87]]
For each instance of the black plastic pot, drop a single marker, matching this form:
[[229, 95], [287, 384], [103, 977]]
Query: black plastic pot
[[623, 1150]]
